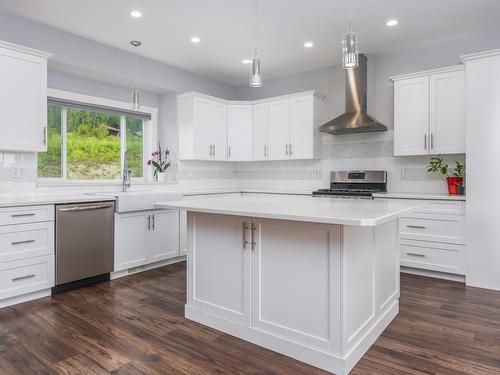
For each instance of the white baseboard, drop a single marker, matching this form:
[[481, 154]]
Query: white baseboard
[[313, 356], [435, 274], [25, 297], [147, 267]]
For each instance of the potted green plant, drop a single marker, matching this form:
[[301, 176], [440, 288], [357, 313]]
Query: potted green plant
[[160, 163], [454, 178]]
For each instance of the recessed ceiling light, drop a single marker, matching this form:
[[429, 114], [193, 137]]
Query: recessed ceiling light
[[246, 61], [308, 44], [195, 39], [392, 22], [136, 14]]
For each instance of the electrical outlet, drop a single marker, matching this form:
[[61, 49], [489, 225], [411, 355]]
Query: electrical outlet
[[402, 173], [15, 172]]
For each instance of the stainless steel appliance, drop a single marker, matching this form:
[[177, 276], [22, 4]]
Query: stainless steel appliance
[[354, 184], [355, 119], [84, 243]]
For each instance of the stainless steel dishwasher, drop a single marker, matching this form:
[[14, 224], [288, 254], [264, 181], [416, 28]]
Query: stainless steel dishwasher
[[84, 244]]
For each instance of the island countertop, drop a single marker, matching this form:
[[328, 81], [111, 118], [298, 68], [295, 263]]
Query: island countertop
[[358, 212]]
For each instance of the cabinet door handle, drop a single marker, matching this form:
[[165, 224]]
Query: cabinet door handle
[[286, 148], [244, 230], [229, 152], [23, 215], [44, 135], [153, 222], [291, 150], [416, 226], [416, 255], [214, 150], [265, 150], [23, 277], [432, 141], [253, 228], [149, 222], [210, 150], [425, 141], [22, 242]]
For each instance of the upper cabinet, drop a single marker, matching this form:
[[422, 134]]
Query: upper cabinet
[[429, 112], [202, 128], [280, 128], [23, 98], [239, 132]]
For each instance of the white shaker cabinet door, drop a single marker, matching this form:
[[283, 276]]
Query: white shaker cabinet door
[[301, 127], [447, 113], [162, 241], [219, 129], [203, 120], [239, 132], [23, 101], [222, 262], [260, 127], [279, 129], [411, 116], [130, 239]]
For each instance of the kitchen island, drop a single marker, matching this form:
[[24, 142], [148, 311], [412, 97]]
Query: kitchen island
[[316, 279]]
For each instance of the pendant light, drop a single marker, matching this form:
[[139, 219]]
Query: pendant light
[[135, 93], [350, 54], [256, 73]]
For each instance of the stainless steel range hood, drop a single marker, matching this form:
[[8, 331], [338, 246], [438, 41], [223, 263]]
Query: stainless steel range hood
[[355, 120]]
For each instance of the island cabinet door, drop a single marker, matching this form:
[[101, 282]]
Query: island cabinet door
[[219, 265], [296, 282]]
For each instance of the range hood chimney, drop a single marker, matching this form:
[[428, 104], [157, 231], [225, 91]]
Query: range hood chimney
[[355, 120]]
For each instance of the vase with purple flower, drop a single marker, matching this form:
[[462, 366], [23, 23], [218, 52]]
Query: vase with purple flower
[[160, 163]]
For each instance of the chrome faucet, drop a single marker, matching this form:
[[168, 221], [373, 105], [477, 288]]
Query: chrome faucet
[[126, 173]]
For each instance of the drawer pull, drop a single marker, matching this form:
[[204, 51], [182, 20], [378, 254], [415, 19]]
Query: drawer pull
[[23, 215], [23, 277], [22, 242], [416, 226], [416, 255]]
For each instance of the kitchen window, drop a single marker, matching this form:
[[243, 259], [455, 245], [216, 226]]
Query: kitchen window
[[87, 142]]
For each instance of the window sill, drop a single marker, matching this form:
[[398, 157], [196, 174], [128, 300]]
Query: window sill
[[118, 183]]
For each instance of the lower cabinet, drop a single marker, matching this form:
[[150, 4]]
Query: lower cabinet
[[145, 237]]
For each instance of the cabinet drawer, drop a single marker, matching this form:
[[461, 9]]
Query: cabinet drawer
[[450, 230], [25, 276], [28, 214], [433, 256], [439, 208], [26, 241]]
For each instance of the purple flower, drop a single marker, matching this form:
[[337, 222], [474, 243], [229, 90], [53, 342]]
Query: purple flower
[[149, 162], [167, 152]]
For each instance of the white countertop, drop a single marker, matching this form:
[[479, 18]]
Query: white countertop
[[359, 212], [29, 200], [426, 196]]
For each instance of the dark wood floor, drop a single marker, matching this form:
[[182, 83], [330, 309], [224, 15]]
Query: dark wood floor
[[135, 325]]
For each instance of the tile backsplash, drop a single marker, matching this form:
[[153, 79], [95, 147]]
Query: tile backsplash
[[17, 172]]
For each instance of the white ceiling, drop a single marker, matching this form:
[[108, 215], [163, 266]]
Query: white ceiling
[[226, 28]]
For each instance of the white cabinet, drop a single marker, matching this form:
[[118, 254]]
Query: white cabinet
[[411, 116], [260, 131], [222, 262], [447, 112], [23, 98], [26, 253], [145, 237], [202, 127], [239, 132], [281, 128], [429, 112]]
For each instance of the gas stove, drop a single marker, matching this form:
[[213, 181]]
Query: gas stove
[[354, 184]]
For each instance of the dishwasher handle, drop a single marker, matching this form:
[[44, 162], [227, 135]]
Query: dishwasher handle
[[86, 208]]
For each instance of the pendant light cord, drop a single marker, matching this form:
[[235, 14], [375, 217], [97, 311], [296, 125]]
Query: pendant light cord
[[135, 69], [350, 16], [255, 28]]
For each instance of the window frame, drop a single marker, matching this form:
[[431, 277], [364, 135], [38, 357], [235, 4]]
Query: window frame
[[150, 138]]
